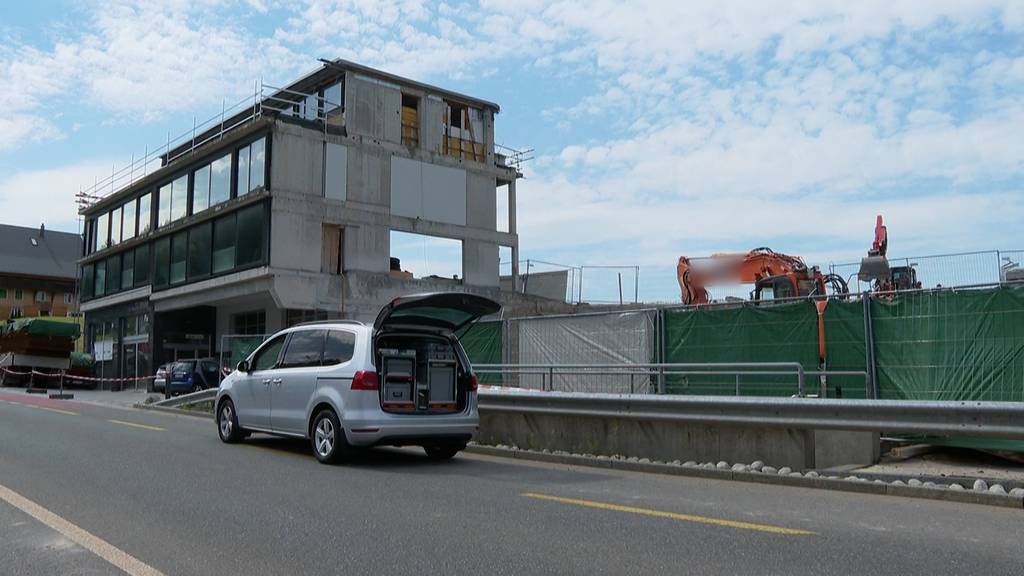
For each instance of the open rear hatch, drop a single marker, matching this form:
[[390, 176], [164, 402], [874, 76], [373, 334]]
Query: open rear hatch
[[422, 369]]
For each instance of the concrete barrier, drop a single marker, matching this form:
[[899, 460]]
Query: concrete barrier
[[667, 440]]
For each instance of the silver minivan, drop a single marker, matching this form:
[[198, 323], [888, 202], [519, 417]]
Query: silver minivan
[[345, 385]]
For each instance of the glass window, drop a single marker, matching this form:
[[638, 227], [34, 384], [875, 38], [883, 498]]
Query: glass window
[[220, 180], [249, 323], [224, 244], [339, 347], [101, 231], [90, 238], [332, 97], [101, 278], [257, 162], [128, 270], [201, 189], [113, 274], [142, 265], [179, 254], [179, 198], [161, 261], [129, 220], [304, 349], [19, 295], [145, 217], [251, 231], [199, 251], [163, 211], [87, 281], [266, 357], [115, 227], [243, 171]]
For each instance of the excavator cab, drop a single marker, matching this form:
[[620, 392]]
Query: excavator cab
[[790, 285]]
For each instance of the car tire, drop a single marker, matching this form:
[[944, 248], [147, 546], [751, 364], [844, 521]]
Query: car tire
[[327, 438], [443, 451], [227, 423]]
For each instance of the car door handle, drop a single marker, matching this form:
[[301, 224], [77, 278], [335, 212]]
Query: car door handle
[[277, 381], [266, 382]]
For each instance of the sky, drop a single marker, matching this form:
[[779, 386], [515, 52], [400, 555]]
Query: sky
[[659, 128]]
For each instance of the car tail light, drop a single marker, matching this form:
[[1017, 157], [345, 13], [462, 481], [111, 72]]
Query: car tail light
[[365, 380], [473, 384]]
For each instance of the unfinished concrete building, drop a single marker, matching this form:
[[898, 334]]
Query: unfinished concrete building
[[283, 212]]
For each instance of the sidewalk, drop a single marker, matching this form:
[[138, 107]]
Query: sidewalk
[[124, 399]]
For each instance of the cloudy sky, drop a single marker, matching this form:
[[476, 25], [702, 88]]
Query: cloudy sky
[[660, 127]]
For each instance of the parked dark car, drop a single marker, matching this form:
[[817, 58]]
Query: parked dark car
[[192, 376]]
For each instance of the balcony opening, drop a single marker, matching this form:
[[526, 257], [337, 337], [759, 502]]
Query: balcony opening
[[410, 120], [425, 257]]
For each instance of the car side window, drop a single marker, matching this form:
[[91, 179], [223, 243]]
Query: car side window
[[266, 358], [339, 347], [304, 349]]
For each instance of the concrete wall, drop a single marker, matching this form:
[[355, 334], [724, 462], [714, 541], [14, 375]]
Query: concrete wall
[[667, 441]]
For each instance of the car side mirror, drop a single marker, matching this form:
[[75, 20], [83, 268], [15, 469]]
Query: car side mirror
[[243, 366]]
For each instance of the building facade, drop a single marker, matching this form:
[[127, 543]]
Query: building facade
[[37, 272], [284, 213]]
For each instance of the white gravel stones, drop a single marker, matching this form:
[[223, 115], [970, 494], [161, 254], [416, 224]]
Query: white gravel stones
[[644, 460], [739, 467], [1017, 492], [756, 465], [785, 470], [930, 485], [769, 470], [997, 489], [898, 483], [980, 485], [812, 474], [877, 481], [722, 465], [796, 475], [913, 482], [689, 464], [956, 487], [852, 478]]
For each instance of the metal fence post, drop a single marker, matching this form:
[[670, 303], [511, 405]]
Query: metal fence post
[[869, 348], [737, 383], [551, 378]]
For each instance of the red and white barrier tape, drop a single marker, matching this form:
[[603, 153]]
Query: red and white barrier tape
[[74, 376]]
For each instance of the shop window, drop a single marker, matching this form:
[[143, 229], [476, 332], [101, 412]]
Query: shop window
[[250, 323], [142, 265], [113, 274], [42, 296], [201, 189], [250, 245], [19, 295], [128, 219], [224, 244], [179, 256], [128, 270], [145, 214], [100, 279], [220, 180], [162, 261], [199, 251]]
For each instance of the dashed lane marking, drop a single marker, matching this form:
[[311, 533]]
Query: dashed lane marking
[[136, 425]]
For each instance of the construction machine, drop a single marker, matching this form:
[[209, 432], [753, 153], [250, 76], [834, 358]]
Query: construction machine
[[773, 274], [876, 270]]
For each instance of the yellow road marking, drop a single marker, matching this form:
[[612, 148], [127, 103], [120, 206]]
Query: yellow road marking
[[670, 515], [57, 410], [134, 425], [98, 546]]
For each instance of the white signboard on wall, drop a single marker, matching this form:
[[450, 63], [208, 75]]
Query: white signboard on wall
[[103, 350]]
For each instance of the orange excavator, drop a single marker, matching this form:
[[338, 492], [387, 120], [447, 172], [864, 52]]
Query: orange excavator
[[773, 274]]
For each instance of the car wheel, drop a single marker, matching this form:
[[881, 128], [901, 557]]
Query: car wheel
[[444, 451], [227, 423], [328, 438]]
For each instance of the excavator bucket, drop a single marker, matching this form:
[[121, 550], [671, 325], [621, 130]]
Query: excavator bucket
[[873, 268]]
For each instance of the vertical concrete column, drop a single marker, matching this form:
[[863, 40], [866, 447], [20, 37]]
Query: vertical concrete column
[[512, 230]]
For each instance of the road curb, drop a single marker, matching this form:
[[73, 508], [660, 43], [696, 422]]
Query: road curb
[[178, 411], [858, 486]]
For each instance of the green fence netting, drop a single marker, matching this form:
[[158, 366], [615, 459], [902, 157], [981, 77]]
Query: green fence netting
[[963, 345], [744, 333], [482, 343], [845, 350]]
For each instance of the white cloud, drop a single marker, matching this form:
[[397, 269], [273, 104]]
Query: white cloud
[[30, 197]]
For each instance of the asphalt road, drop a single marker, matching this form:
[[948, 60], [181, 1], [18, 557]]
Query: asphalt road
[[163, 491]]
